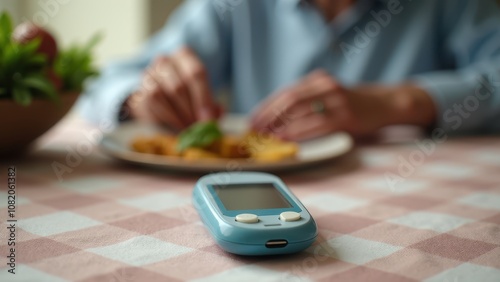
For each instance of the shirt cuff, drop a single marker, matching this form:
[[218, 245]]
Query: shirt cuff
[[461, 100], [105, 109]]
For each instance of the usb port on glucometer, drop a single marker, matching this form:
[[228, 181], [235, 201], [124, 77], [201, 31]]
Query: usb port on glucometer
[[276, 243]]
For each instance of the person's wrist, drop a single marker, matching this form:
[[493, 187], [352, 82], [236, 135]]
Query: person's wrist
[[377, 104], [409, 104]]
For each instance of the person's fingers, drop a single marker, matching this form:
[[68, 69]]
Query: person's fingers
[[195, 76], [173, 86], [152, 104], [218, 111], [310, 88], [311, 126], [163, 111], [138, 108], [301, 107], [265, 106], [138, 101], [333, 105], [275, 103], [279, 102], [331, 102], [274, 106]]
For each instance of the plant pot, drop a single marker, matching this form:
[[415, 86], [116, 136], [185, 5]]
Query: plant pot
[[21, 125]]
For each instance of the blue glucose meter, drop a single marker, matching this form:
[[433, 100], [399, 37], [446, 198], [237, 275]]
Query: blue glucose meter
[[252, 213]]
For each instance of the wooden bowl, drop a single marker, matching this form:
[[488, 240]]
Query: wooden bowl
[[21, 125]]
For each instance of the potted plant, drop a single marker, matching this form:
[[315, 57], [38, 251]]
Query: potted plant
[[38, 82]]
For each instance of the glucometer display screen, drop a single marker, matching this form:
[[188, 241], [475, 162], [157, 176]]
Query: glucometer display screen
[[251, 196]]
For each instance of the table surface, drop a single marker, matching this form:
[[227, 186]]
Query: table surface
[[386, 212]]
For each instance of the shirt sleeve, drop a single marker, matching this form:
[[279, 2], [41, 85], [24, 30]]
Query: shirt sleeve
[[197, 24], [468, 97]]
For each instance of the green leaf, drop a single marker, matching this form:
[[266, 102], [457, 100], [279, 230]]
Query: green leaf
[[74, 65], [32, 46], [39, 59], [5, 28], [42, 85], [6, 23], [22, 95], [87, 49], [11, 59], [201, 134]]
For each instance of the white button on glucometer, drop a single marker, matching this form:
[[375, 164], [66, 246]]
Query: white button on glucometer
[[247, 218], [289, 216]]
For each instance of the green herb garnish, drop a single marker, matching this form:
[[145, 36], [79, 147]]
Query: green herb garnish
[[200, 135]]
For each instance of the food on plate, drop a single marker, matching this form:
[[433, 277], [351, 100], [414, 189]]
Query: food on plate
[[198, 154], [276, 152], [159, 145], [205, 141]]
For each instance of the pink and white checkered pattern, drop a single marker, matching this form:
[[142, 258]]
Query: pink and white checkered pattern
[[108, 222]]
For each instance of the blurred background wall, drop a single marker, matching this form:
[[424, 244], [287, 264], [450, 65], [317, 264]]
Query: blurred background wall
[[125, 23]]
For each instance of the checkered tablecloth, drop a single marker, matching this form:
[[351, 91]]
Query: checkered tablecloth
[[388, 212]]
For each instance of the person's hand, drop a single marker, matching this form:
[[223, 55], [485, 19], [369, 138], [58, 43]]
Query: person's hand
[[318, 105], [175, 91]]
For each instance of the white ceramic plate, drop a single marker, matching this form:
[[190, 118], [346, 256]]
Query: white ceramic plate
[[117, 145]]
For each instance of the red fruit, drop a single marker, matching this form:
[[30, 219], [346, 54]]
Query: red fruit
[[55, 79], [27, 31]]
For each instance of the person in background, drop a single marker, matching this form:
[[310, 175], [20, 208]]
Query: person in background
[[303, 69]]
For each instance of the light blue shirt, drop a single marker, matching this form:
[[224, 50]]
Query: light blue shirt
[[451, 48]]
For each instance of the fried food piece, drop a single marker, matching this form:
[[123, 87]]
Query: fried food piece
[[276, 152], [194, 154], [230, 147], [166, 145], [267, 147], [144, 145], [160, 144], [233, 147], [215, 147]]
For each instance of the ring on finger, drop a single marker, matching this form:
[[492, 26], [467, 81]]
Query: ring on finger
[[318, 107]]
